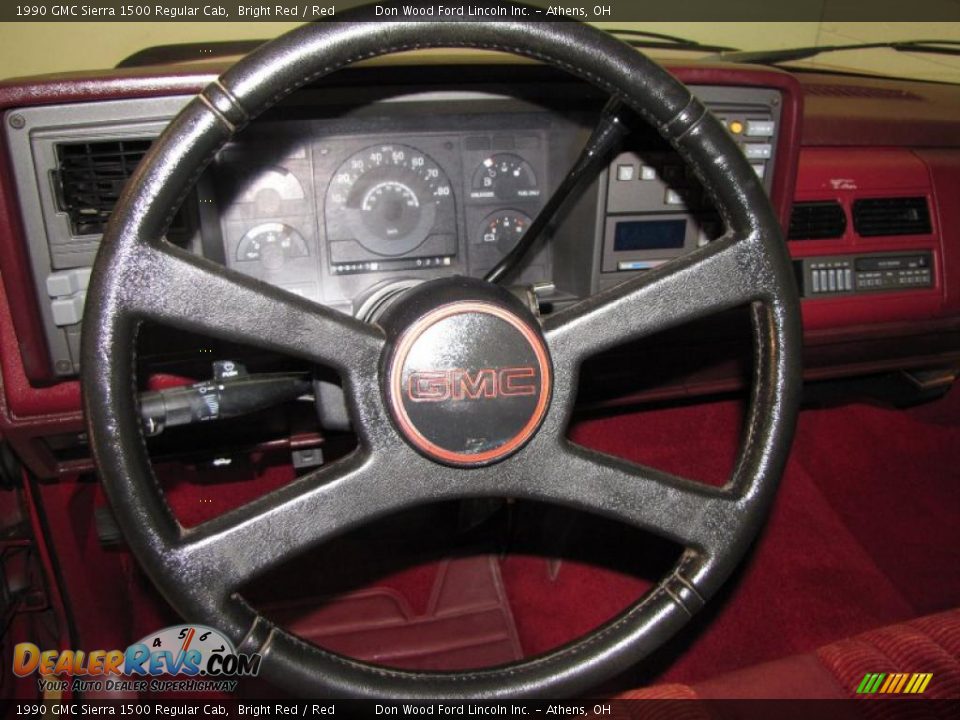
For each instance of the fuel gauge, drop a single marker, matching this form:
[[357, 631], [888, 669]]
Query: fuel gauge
[[504, 176]]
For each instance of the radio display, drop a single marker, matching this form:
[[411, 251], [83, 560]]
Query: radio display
[[649, 235]]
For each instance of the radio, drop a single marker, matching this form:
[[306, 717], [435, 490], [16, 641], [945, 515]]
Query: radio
[[855, 274]]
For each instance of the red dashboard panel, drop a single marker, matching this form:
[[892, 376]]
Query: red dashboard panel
[[844, 175], [944, 168], [859, 111]]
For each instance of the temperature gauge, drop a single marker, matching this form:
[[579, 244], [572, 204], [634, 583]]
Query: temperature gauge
[[272, 244], [504, 176]]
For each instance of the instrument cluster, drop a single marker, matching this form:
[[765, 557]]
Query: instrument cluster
[[333, 216]]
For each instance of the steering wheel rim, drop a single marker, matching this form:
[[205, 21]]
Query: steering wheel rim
[[138, 276]]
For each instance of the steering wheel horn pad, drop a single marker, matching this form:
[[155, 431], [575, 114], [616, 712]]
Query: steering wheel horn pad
[[139, 277], [467, 382]]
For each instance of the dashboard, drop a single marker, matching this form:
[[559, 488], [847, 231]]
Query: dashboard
[[383, 177], [345, 206]]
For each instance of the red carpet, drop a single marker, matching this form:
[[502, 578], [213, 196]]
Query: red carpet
[[894, 480], [865, 533], [865, 530]]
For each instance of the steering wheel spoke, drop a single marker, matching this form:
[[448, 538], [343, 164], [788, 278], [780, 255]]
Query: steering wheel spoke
[[177, 288], [723, 275], [686, 512], [241, 544]]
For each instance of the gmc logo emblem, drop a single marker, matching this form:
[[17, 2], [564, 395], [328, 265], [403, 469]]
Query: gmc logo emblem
[[488, 383]]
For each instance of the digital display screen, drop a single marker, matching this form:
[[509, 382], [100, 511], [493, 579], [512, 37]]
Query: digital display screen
[[649, 235]]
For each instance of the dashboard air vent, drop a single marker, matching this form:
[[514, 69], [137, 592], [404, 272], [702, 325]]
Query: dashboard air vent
[[817, 220], [891, 216], [90, 176]]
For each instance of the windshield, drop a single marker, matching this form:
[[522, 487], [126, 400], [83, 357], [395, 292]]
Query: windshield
[[25, 47]]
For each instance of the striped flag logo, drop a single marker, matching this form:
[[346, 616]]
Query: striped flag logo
[[894, 683]]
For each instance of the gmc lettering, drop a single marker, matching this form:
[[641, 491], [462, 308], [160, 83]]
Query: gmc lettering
[[457, 384]]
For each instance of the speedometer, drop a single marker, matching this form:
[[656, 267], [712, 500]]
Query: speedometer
[[389, 199]]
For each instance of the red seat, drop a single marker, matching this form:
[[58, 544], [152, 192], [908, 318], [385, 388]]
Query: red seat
[[926, 645]]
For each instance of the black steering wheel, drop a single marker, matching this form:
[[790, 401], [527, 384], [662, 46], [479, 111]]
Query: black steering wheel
[[405, 455]]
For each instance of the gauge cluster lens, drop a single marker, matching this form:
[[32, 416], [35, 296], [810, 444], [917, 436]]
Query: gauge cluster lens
[[331, 212], [388, 199]]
